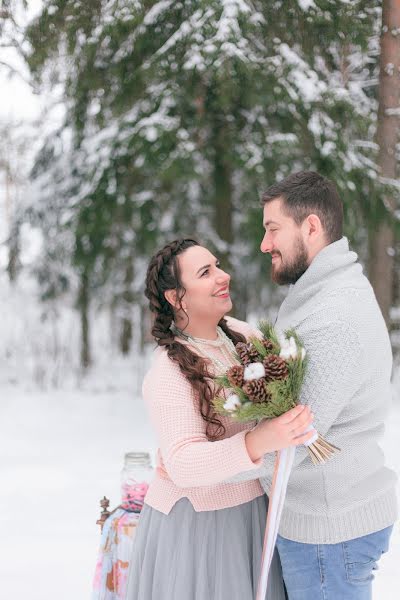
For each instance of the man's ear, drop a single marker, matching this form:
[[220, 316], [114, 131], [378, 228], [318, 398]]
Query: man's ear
[[314, 226], [171, 297]]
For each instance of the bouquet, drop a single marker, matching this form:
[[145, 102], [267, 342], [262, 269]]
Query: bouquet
[[267, 381]]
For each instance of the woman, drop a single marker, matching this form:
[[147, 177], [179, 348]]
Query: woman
[[199, 538]]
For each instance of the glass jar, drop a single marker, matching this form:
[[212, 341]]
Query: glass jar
[[135, 478]]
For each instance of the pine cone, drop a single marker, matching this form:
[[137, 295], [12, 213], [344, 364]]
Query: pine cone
[[235, 375], [275, 367], [247, 353], [268, 345], [256, 390]]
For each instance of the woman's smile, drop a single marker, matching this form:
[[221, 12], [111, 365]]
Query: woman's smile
[[222, 292]]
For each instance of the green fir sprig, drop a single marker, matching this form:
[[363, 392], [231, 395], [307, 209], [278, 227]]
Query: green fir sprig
[[269, 333], [283, 394]]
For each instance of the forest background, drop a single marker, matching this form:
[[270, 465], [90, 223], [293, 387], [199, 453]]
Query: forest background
[[164, 119], [125, 124]]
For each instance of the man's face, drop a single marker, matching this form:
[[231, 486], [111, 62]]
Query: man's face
[[284, 240]]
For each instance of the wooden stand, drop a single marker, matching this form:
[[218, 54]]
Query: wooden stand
[[105, 513]]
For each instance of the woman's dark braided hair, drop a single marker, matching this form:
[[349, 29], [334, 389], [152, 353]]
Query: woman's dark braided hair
[[163, 274]]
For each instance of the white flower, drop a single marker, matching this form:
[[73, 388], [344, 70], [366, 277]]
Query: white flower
[[281, 339], [288, 348], [303, 353], [232, 402], [254, 371]]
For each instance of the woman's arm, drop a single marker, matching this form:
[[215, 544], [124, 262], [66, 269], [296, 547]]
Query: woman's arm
[[190, 459]]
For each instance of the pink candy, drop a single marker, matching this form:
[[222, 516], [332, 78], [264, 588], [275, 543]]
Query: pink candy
[[133, 496]]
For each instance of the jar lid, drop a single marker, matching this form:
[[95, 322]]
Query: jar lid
[[137, 458]]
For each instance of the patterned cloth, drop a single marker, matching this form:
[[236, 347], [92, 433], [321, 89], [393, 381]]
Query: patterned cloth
[[115, 552]]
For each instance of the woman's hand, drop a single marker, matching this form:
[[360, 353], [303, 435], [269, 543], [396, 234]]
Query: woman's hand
[[281, 432]]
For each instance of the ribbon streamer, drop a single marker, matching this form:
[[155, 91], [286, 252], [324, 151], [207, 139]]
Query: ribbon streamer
[[282, 469]]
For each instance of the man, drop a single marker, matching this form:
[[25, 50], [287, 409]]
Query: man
[[338, 517]]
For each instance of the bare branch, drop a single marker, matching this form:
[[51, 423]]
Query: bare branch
[[13, 71]]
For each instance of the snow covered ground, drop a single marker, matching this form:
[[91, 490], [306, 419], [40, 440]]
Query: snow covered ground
[[61, 451]]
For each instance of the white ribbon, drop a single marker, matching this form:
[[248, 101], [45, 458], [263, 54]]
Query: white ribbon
[[313, 438], [282, 470]]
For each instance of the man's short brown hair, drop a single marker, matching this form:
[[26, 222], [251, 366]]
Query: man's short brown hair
[[305, 193]]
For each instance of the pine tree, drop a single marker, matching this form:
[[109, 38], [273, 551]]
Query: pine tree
[[178, 114], [383, 237]]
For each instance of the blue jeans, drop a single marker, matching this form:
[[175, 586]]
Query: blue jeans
[[332, 571]]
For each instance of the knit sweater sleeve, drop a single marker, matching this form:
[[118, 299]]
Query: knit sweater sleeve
[[190, 459], [334, 374]]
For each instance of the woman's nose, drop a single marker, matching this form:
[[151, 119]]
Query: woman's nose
[[223, 277]]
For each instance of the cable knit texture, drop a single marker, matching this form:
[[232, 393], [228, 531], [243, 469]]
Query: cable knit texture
[[334, 310], [188, 464]]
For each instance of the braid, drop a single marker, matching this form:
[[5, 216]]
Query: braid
[[163, 274], [158, 304]]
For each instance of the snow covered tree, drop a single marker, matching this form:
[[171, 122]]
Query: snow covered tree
[[180, 113], [12, 143], [384, 235]]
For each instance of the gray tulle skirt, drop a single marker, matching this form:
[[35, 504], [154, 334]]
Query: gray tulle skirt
[[212, 555]]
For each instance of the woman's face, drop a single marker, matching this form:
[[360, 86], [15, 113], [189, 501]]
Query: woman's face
[[207, 285]]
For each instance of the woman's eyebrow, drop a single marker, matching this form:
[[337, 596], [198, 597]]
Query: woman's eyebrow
[[207, 266]]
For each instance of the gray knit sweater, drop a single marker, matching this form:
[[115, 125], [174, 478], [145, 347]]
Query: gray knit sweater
[[334, 310]]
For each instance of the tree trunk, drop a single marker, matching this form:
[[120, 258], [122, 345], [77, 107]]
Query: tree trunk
[[382, 240], [126, 335], [83, 305], [125, 339], [395, 320], [223, 215], [223, 192], [143, 329], [13, 263]]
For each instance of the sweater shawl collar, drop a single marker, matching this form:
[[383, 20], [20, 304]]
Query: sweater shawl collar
[[334, 268]]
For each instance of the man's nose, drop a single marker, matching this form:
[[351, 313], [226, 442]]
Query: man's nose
[[266, 244]]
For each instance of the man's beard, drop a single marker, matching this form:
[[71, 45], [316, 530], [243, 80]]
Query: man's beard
[[291, 272]]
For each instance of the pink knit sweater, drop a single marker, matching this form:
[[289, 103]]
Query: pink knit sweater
[[188, 464]]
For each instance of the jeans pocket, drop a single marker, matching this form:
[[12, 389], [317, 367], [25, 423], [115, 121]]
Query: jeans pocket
[[362, 554], [360, 572]]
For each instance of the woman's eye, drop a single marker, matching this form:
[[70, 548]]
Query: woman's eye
[[204, 272]]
